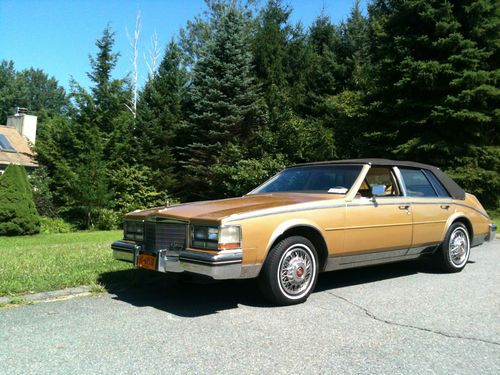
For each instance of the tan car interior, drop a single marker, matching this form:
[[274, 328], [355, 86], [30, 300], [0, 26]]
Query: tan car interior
[[379, 176]]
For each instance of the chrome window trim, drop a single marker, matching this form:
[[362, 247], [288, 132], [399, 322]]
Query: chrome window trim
[[401, 182]]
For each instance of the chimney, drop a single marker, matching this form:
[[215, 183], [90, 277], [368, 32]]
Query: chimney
[[24, 123]]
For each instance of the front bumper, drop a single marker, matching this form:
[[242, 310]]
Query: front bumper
[[492, 232], [225, 264]]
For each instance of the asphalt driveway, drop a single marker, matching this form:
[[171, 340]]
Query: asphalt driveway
[[393, 319]]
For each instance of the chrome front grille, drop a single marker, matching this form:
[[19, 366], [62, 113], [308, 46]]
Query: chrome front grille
[[165, 235]]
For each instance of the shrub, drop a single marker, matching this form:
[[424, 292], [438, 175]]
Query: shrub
[[18, 215], [107, 219], [54, 225]]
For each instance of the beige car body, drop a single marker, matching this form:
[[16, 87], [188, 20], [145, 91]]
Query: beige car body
[[347, 230]]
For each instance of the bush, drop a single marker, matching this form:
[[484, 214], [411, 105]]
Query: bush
[[18, 215], [42, 195], [54, 225], [107, 219]]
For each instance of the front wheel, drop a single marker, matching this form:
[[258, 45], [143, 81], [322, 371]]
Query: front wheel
[[454, 252], [290, 271]]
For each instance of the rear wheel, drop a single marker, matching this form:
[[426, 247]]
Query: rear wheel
[[290, 271], [454, 252]]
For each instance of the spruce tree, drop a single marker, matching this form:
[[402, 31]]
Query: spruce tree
[[99, 117], [437, 95], [18, 215], [160, 116], [227, 106], [109, 95], [270, 49]]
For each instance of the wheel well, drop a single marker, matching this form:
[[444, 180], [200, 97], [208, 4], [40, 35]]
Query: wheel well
[[312, 235], [467, 224]]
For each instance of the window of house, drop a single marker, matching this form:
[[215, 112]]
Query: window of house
[[5, 144]]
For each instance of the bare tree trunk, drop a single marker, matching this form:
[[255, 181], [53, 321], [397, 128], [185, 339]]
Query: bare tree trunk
[[154, 56], [134, 43]]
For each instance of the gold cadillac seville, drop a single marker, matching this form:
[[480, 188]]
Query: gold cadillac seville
[[311, 218]]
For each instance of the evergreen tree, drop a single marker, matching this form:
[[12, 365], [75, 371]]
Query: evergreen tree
[[346, 109], [325, 73], [108, 95], [161, 115], [437, 94], [270, 49], [18, 215], [100, 120], [227, 106], [354, 50]]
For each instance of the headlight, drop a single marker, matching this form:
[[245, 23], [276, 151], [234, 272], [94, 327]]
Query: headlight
[[133, 230], [204, 236], [209, 237]]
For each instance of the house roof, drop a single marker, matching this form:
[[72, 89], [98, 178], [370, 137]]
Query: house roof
[[23, 155], [453, 188]]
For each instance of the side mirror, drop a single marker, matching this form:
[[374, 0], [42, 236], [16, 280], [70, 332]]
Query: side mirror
[[378, 190]]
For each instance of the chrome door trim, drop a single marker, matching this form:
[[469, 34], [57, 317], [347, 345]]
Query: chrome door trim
[[379, 257]]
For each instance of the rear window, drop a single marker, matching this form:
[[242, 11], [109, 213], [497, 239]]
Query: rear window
[[417, 184], [438, 186]]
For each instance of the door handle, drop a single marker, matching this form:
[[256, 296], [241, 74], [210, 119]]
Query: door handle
[[445, 206], [404, 207]]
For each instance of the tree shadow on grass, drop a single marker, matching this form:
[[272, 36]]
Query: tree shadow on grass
[[198, 297]]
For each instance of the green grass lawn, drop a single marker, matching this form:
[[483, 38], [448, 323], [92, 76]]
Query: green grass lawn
[[495, 216], [54, 261]]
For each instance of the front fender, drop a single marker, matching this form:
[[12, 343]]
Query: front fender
[[286, 225]]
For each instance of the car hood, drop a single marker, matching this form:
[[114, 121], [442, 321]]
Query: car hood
[[218, 210]]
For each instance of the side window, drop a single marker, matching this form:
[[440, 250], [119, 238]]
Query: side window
[[417, 184], [379, 176], [438, 186]]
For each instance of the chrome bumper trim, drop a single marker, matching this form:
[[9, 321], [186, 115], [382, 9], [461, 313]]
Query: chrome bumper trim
[[492, 232], [125, 251], [225, 264]]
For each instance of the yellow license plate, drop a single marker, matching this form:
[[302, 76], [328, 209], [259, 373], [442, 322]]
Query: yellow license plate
[[146, 261]]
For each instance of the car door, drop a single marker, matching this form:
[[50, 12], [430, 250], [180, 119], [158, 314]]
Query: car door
[[378, 227], [431, 205]]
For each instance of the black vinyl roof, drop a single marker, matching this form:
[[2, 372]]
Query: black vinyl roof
[[451, 186]]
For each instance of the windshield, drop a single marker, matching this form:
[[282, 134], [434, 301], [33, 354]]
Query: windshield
[[325, 179]]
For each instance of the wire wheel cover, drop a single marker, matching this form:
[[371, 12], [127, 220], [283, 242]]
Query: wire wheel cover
[[296, 270], [459, 247]]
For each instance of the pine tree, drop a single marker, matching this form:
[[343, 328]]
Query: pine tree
[[18, 215], [99, 119], [227, 106], [326, 71], [346, 109], [270, 49], [354, 50], [109, 95], [161, 115], [437, 95]]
